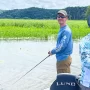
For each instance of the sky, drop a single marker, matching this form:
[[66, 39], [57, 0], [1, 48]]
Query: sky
[[47, 4]]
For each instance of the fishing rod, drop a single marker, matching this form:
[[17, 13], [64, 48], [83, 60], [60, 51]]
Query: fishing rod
[[36, 66], [31, 69]]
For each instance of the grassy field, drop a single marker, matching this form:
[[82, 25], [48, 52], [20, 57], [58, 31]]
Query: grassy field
[[39, 29]]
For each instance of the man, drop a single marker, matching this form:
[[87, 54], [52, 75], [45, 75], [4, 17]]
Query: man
[[84, 49], [64, 45]]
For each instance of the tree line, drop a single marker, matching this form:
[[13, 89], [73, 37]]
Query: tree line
[[74, 13]]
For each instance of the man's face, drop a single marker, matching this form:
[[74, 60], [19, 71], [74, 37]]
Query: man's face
[[61, 19]]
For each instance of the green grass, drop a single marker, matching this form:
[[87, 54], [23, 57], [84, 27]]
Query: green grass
[[79, 28], [39, 29]]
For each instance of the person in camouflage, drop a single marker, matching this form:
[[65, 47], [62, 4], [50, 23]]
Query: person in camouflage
[[84, 50]]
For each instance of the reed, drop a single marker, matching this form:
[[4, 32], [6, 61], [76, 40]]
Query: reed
[[39, 29]]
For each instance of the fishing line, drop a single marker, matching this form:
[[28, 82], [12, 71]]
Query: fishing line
[[75, 66]]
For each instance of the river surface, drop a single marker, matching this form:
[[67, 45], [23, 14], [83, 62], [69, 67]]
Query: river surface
[[19, 57]]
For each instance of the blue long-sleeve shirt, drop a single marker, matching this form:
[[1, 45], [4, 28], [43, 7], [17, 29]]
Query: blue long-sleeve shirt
[[84, 50], [64, 46]]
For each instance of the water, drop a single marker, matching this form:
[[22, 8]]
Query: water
[[18, 57]]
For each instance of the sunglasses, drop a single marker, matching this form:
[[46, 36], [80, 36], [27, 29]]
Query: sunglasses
[[58, 16]]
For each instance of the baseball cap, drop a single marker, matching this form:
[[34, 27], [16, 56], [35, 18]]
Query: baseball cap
[[63, 12]]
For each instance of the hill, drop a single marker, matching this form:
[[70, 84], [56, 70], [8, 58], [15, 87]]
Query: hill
[[75, 13]]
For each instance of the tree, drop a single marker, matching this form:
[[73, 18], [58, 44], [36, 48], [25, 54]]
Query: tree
[[88, 15], [87, 11]]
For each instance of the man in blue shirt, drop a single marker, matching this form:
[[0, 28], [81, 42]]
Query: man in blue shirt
[[84, 50], [64, 46]]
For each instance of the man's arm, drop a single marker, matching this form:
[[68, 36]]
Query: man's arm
[[63, 43]]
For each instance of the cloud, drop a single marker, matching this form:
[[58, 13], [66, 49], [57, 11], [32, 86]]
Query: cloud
[[50, 4]]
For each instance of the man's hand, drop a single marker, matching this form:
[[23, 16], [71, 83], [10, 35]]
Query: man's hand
[[50, 53]]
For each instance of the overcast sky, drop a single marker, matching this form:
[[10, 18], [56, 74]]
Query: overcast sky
[[48, 4]]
